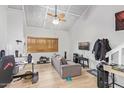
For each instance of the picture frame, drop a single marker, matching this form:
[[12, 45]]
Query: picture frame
[[119, 21]]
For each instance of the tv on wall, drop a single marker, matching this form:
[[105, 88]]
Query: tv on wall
[[83, 45]]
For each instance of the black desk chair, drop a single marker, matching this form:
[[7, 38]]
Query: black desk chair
[[82, 61], [7, 64]]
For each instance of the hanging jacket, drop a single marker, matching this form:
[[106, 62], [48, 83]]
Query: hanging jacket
[[104, 49], [101, 47], [96, 49]]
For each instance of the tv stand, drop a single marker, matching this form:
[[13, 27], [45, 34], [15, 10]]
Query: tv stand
[[82, 61]]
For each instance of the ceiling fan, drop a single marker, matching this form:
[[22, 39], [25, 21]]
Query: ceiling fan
[[58, 17]]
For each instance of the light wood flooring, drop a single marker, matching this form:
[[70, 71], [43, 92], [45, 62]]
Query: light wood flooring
[[49, 78]]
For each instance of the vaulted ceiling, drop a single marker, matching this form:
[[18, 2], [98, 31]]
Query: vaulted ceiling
[[36, 15]]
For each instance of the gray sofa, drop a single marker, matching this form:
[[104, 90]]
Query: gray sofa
[[70, 69]]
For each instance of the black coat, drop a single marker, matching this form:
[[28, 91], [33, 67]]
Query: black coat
[[96, 49], [101, 47]]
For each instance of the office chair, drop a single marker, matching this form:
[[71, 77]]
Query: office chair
[[7, 64]]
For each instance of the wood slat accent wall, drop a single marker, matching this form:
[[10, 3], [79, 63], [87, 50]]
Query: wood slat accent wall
[[36, 44]]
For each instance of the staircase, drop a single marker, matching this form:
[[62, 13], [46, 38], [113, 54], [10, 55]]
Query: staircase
[[119, 50]]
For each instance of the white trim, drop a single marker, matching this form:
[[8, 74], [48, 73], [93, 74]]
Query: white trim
[[120, 57], [14, 11], [115, 50], [45, 16], [118, 49], [110, 59]]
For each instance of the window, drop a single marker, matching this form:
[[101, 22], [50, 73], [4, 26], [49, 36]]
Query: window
[[35, 44]]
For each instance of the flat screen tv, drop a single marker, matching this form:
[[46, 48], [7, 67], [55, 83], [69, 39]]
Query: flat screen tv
[[83, 45]]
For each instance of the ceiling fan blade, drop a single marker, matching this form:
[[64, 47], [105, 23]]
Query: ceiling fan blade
[[62, 20], [50, 14], [62, 15]]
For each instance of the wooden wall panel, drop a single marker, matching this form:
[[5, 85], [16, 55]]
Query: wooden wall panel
[[35, 44]]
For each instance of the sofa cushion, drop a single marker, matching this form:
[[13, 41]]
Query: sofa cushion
[[63, 61]]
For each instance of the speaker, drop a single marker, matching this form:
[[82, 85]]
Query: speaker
[[16, 53], [65, 54], [75, 58], [29, 58], [2, 53]]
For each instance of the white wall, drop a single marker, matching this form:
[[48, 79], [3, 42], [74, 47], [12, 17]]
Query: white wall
[[3, 27], [97, 22], [63, 37], [14, 31]]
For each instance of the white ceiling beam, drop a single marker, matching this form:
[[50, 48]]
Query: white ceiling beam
[[57, 9], [67, 10], [47, 8], [86, 10], [45, 16], [73, 14], [25, 23]]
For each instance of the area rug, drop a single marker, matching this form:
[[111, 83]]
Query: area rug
[[92, 71]]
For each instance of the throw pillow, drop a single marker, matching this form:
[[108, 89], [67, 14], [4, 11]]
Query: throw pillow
[[63, 61]]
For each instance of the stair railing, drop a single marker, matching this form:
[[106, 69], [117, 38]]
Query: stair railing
[[118, 49]]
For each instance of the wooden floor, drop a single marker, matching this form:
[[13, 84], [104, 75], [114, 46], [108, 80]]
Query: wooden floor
[[49, 78]]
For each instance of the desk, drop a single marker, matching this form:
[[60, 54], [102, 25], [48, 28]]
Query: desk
[[30, 69], [26, 67], [109, 69]]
